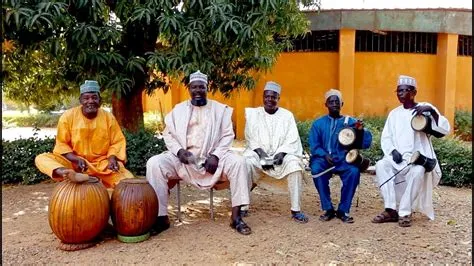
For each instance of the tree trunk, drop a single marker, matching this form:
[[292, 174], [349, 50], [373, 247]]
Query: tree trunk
[[128, 109]]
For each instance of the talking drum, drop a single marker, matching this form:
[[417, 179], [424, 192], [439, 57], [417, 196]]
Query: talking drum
[[419, 159], [355, 158], [347, 137], [78, 213], [422, 123], [134, 209]]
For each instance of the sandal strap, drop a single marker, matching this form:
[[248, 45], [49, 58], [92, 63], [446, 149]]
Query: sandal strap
[[300, 217]]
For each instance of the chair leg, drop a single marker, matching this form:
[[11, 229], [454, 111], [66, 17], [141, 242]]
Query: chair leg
[[211, 203], [178, 191]]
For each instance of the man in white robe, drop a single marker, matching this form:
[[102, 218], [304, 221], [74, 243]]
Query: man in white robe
[[271, 132], [198, 136], [407, 185]]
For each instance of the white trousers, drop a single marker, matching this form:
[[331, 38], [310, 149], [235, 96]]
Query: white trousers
[[403, 189], [162, 167]]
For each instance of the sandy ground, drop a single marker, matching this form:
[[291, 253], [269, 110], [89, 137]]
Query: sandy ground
[[276, 239]]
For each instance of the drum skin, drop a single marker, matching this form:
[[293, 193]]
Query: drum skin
[[134, 207], [78, 212], [422, 123], [346, 137]]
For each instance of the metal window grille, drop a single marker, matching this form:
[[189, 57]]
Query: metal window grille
[[396, 42], [465, 45], [317, 41]]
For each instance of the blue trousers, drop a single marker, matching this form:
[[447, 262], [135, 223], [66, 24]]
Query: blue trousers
[[350, 177]]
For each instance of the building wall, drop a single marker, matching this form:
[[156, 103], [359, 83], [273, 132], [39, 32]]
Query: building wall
[[376, 77], [464, 83]]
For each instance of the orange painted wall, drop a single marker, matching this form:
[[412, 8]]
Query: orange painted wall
[[464, 83], [376, 77]]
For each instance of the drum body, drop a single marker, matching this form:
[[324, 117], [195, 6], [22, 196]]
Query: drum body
[[355, 158], [134, 209], [347, 137], [266, 161], [78, 212], [422, 123], [419, 159]]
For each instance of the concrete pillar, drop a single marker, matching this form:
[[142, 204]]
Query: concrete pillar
[[446, 83], [346, 69]]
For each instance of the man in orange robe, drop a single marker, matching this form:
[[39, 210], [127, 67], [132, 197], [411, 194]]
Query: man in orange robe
[[89, 140]]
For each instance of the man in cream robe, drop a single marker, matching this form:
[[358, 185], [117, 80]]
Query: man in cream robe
[[89, 140], [198, 136], [271, 132], [403, 184]]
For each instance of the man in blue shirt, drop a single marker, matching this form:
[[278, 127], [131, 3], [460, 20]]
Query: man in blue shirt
[[328, 153]]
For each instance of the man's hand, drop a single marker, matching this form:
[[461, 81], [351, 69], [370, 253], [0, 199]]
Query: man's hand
[[278, 158], [419, 109], [78, 163], [113, 164], [211, 164], [185, 156], [359, 125], [261, 154], [397, 157], [328, 158]]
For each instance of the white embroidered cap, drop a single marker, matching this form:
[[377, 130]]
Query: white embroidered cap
[[272, 86], [333, 92], [198, 76], [406, 80]]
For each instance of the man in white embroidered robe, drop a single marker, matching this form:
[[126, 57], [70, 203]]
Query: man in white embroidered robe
[[270, 132], [198, 136], [410, 189]]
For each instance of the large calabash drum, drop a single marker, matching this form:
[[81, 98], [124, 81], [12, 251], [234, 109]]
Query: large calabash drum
[[134, 209], [347, 137], [422, 123], [355, 158], [419, 159], [78, 213]]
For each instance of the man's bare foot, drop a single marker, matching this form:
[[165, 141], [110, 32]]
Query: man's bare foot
[[72, 175]]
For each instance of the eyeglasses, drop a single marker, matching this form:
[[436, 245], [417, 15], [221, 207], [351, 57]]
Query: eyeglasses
[[403, 90]]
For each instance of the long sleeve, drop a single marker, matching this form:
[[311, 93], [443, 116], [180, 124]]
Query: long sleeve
[[63, 137], [118, 142], [169, 137], [252, 143], [315, 142], [443, 126], [227, 134]]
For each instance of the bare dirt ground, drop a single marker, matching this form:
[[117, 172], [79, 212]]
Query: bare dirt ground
[[276, 239]]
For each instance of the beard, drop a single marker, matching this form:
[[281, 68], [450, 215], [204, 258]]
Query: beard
[[199, 102]]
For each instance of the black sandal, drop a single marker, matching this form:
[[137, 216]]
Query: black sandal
[[344, 218], [241, 227], [328, 215], [161, 224]]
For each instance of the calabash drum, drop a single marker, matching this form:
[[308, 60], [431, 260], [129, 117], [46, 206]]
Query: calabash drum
[[422, 123], [134, 209], [347, 137], [78, 213], [419, 159], [355, 158]]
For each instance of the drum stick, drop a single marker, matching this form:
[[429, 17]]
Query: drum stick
[[324, 172], [394, 175]]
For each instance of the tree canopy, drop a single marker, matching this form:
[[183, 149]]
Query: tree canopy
[[132, 46]]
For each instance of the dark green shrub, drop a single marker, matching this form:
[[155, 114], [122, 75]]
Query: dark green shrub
[[455, 158], [18, 156], [303, 128], [37, 120], [463, 124]]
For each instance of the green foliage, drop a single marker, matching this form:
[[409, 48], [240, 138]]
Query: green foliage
[[463, 124], [141, 146], [131, 46], [454, 155], [18, 156], [37, 120]]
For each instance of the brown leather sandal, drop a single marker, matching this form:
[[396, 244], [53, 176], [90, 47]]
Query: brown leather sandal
[[385, 217], [404, 221]]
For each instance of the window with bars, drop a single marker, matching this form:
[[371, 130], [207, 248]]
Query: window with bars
[[396, 42], [465, 45], [317, 41]]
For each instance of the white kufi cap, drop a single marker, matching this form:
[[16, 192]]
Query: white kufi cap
[[406, 80], [272, 86], [198, 76], [333, 92]]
